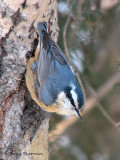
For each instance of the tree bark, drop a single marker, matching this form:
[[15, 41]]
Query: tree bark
[[23, 125]]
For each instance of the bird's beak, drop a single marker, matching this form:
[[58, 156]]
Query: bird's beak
[[77, 113]]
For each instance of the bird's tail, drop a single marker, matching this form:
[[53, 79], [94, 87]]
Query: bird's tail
[[42, 26]]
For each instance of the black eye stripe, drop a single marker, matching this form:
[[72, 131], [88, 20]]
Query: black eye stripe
[[69, 96], [71, 99]]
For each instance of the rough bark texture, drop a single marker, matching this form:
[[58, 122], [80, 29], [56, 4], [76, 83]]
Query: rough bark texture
[[23, 125]]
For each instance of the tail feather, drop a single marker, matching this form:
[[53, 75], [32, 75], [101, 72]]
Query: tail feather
[[42, 26], [49, 45]]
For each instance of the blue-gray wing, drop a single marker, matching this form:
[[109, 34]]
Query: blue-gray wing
[[50, 55], [56, 83]]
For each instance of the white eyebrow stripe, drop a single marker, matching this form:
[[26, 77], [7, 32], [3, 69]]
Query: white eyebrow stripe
[[74, 96]]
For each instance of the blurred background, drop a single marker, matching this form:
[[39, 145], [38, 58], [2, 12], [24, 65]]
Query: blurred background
[[90, 32]]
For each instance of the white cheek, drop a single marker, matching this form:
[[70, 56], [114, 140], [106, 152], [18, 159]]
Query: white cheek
[[63, 105], [64, 100], [66, 103], [66, 107]]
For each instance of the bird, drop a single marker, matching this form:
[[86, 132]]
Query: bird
[[50, 79]]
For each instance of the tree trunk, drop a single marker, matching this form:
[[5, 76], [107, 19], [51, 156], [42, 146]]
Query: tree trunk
[[23, 125]]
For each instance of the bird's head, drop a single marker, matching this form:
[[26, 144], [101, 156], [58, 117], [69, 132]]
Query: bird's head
[[71, 100]]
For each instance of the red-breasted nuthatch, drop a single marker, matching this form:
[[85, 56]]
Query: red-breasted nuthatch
[[50, 79]]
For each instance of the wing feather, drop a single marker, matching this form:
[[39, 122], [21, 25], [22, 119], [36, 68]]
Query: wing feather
[[50, 54]]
